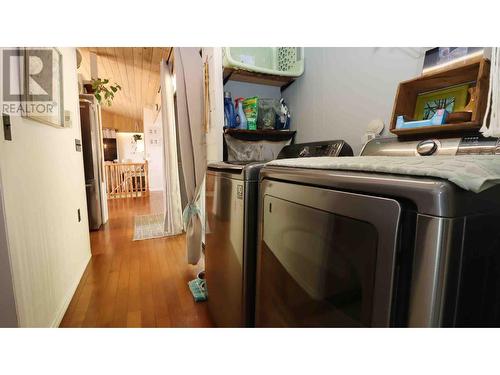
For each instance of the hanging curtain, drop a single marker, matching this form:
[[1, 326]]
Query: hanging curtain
[[491, 122], [173, 209], [188, 70]]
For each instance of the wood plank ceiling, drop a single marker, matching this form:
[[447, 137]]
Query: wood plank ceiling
[[137, 71]]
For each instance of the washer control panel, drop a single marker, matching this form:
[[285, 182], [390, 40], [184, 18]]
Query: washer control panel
[[468, 145], [330, 149], [477, 145], [326, 148]]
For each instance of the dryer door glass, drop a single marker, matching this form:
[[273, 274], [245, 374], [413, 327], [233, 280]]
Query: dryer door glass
[[321, 269]]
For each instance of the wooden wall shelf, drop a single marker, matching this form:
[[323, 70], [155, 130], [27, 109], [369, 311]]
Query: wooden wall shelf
[[462, 127], [258, 78], [406, 97], [261, 134]]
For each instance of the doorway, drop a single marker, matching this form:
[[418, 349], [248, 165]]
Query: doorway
[[136, 277]]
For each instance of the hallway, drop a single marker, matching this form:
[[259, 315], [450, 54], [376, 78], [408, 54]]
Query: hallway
[[135, 283]]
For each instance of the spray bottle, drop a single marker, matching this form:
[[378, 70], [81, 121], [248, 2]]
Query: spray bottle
[[241, 120], [229, 114]]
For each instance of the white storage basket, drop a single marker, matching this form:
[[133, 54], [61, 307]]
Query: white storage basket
[[283, 61]]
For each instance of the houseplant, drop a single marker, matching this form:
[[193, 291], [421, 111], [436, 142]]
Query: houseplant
[[102, 90]]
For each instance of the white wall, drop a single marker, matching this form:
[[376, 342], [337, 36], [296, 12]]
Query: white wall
[[43, 182], [153, 144], [127, 149], [343, 89]]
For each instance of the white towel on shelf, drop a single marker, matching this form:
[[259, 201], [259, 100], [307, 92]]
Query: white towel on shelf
[[471, 172]]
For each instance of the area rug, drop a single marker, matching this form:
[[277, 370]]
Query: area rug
[[149, 226]]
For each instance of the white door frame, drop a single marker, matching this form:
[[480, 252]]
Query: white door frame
[[8, 310]]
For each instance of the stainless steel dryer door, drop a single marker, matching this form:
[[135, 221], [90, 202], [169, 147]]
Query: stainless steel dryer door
[[326, 258]]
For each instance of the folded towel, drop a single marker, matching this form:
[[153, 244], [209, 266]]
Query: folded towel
[[471, 172]]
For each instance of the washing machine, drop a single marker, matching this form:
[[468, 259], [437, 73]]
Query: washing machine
[[231, 231], [341, 248]]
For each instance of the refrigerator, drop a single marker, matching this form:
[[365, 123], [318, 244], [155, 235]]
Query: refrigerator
[[93, 161]]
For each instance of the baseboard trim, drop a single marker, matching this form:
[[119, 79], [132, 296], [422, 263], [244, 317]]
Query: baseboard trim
[[67, 300]]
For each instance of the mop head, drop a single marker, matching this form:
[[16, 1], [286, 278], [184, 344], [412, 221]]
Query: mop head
[[197, 288]]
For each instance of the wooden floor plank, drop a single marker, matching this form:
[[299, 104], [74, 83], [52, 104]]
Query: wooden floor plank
[[108, 301], [71, 310], [121, 298], [135, 283], [146, 288]]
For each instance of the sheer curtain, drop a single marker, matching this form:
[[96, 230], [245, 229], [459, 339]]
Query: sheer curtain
[[173, 207]]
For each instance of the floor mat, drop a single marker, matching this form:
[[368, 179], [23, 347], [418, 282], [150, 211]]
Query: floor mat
[[149, 226]]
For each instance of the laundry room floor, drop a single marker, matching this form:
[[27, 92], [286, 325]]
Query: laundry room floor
[[135, 283]]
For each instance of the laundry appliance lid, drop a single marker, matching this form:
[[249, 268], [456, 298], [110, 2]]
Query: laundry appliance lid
[[248, 171], [432, 196]]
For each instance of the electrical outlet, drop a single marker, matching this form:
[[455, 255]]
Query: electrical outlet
[[79, 215]]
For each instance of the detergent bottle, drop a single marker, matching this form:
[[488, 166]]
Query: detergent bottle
[[229, 115], [241, 120]]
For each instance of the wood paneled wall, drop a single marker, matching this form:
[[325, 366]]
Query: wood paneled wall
[[121, 123], [135, 69]]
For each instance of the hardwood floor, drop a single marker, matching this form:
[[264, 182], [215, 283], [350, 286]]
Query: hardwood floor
[[135, 283]]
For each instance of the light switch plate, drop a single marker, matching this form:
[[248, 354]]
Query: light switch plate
[[7, 133], [67, 119]]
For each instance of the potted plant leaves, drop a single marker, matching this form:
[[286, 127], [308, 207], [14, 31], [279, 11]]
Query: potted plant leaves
[[103, 90]]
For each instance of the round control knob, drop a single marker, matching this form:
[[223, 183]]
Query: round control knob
[[427, 147]]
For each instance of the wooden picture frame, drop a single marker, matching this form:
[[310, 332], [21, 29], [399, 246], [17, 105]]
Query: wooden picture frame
[[457, 93], [56, 116]]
